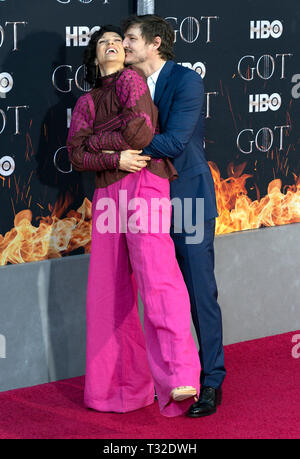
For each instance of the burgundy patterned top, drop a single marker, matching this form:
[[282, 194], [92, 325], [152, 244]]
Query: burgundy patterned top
[[119, 115]]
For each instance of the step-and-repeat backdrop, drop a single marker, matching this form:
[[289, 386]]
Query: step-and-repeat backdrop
[[45, 206], [248, 55]]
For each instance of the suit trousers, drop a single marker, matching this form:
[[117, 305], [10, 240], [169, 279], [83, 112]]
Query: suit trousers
[[196, 262], [124, 363]]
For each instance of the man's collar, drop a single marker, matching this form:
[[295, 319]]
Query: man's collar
[[155, 75]]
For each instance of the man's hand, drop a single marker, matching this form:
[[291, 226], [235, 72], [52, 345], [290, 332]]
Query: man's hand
[[132, 160]]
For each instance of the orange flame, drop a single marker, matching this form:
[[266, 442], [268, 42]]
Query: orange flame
[[53, 238], [56, 236], [238, 212]]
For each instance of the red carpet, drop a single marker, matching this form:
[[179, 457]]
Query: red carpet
[[260, 400]]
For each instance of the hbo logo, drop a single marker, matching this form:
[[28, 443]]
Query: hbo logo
[[7, 166], [265, 29], [199, 67], [263, 102], [6, 83], [79, 35]]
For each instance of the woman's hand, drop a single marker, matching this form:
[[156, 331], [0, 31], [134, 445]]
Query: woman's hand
[[132, 160]]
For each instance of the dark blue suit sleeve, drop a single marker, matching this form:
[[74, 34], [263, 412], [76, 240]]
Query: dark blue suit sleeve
[[184, 115]]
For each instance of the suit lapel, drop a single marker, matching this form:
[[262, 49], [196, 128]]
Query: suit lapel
[[162, 80]]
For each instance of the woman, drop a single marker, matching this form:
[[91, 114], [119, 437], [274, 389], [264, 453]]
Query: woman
[[122, 364]]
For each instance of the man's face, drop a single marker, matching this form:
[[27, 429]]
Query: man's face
[[137, 51]]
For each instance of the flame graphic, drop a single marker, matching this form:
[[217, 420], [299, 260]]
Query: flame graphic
[[238, 212], [56, 236], [53, 238]]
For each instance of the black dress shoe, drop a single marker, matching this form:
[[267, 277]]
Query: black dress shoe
[[207, 403]]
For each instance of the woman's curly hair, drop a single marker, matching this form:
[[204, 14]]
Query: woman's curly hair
[[92, 76]]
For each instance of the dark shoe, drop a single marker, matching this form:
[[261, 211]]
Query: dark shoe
[[207, 403]]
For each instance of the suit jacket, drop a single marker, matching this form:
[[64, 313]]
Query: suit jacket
[[179, 96]]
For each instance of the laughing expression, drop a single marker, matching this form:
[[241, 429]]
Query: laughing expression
[[110, 49]]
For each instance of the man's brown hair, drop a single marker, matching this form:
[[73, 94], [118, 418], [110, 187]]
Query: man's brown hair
[[152, 26]]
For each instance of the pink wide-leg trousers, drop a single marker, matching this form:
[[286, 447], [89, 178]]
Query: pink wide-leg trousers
[[123, 363]]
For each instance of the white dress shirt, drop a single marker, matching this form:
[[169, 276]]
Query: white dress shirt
[[152, 79]]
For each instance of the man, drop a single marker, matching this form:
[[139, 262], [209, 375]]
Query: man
[[178, 93]]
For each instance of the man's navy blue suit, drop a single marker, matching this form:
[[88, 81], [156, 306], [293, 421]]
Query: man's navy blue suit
[[179, 96]]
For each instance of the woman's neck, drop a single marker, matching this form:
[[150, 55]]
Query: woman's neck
[[110, 69]]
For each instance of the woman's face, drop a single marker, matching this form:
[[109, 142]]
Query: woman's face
[[110, 49]]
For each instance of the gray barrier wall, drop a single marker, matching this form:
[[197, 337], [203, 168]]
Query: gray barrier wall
[[42, 326]]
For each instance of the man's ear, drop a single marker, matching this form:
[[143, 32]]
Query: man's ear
[[156, 42]]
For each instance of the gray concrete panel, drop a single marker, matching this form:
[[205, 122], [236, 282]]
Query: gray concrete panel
[[42, 312]]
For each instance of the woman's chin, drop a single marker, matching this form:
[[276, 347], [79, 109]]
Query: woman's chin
[[113, 59]]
